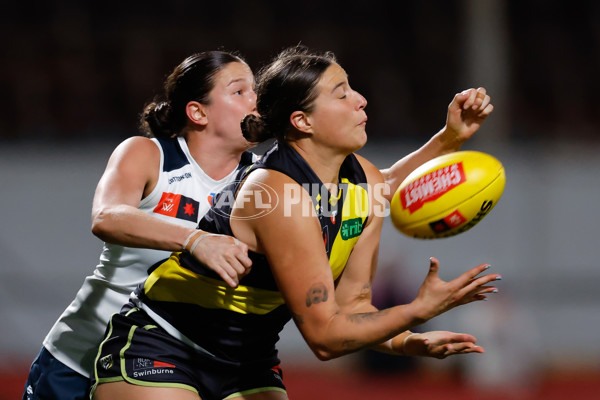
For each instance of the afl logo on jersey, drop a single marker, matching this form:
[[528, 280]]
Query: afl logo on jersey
[[178, 206], [210, 198]]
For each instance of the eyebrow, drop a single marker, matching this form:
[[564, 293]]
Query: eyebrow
[[235, 81], [337, 86]]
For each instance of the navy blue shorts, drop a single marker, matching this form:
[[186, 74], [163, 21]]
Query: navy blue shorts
[[139, 352], [49, 379]]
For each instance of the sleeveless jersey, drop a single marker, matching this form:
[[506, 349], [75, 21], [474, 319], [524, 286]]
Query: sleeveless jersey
[[242, 324], [182, 195]]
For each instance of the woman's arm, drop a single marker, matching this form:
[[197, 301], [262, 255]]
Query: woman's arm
[[467, 111], [131, 174], [291, 238]]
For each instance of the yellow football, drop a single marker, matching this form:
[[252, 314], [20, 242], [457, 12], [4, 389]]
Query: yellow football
[[448, 195]]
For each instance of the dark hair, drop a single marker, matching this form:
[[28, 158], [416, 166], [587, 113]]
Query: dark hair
[[192, 80], [285, 85]]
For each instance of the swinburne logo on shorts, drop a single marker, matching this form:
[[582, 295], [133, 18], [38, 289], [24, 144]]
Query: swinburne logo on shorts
[[431, 186], [145, 367]]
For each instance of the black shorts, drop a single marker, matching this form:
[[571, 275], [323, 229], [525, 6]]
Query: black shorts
[[139, 352]]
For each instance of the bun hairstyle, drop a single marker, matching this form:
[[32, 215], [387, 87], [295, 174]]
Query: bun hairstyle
[[285, 85], [192, 80], [156, 120], [253, 129]]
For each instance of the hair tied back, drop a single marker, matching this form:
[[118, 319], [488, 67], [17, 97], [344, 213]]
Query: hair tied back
[[254, 129]]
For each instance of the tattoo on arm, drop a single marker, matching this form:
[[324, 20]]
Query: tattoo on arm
[[365, 317], [316, 294]]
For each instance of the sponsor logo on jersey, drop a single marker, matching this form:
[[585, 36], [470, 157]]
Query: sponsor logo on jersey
[[351, 228], [179, 178], [431, 186], [145, 367], [178, 206]]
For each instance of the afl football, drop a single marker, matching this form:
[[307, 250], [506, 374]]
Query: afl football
[[448, 195]]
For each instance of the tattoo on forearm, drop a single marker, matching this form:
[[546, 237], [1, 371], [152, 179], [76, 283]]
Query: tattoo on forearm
[[362, 317], [316, 294]]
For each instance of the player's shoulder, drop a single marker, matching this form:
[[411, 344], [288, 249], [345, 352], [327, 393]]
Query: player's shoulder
[[137, 145], [276, 180], [372, 173], [136, 152]]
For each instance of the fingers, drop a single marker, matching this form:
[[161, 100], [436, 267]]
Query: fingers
[[235, 266], [441, 344], [226, 256], [476, 289], [454, 348], [463, 337], [462, 348], [473, 288], [230, 279], [471, 274], [477, 99]]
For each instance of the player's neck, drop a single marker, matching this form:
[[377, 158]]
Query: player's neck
[[216, 158], [326, 164]]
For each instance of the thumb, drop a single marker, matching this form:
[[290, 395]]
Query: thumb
[[434, 267], [459, 100]]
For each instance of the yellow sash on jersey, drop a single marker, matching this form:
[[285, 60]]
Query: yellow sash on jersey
[[171, 282], [354, 213]]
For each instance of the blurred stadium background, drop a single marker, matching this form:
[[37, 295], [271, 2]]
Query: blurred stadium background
[[75, 75]]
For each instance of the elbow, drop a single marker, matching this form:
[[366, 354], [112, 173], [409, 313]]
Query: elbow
[[325, 352], [324, 355], [101, 226]]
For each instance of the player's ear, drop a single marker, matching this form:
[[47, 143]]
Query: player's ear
[[302, 122], [196, 112]]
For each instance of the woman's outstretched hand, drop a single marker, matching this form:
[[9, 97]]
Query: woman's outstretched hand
[[437, 296], [440, 344]]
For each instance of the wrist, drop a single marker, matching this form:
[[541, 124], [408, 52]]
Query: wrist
[[189, 241], [404, 341], [417, 312], [448, 140], [400, 348]]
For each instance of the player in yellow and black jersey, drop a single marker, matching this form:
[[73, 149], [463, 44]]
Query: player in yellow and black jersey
[[310, 216]]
